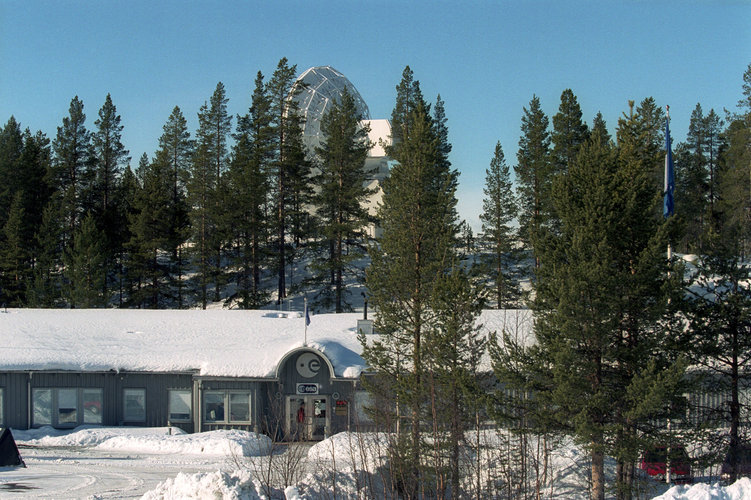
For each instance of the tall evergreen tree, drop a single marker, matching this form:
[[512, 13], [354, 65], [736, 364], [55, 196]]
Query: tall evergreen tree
[[288, 155], [599, 130], [499, 210], [600, 304], [151, 231], [84, 264], [11, 148], [534, 173], [176, 149], [201, 189], [46, 290], [251, 159], [453, 349], [220, 123], [339, 202], [71, 162], [418, 216], [110, 156], [13, 256], [569, 132]]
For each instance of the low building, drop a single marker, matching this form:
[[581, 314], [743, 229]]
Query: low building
[[198, 370]]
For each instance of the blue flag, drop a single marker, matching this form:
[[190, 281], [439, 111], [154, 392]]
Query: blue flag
[[668, 205], [307, 313]]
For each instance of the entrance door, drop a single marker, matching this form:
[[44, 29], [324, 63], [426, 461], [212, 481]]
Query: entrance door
[[307, 417]]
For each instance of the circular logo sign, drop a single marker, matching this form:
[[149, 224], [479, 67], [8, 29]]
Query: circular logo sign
[[308, 365]]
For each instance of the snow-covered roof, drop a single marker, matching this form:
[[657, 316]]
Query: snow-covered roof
[[212, 342]]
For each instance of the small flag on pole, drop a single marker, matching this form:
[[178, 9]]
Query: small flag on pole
[[668, 205], [307, 313]]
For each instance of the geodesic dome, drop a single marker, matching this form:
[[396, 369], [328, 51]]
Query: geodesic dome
[[323, 88]]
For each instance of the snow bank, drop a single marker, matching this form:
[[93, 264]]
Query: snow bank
[[237, 485], [155, 440], [737, 491], [360, 451], [233, 443], [88, 435]]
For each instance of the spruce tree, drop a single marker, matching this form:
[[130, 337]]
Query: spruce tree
[[599, 130], [46, 290], [288, 154], [220, 123], [569, 132], [13, 256], [534, 173], [110, 156], [151, 231], [84, 263], [249, 170], [499, 210], [339, 202], [11, 148], [72, 161], [201, 189], [176, 149]]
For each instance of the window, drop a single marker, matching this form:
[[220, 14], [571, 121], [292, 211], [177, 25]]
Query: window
[[134, 405], [239, 407], [179, 406], [216, 402], [363, 402], [42, 402], [213, 403], [66, 407], [92, 406]]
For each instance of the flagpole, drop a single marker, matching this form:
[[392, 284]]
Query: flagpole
[[305, 320], [668, 211]]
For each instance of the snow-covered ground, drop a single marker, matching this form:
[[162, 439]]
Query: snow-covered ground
[[101, 463]]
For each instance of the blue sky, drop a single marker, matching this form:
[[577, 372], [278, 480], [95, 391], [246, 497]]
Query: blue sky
[[485, 58]]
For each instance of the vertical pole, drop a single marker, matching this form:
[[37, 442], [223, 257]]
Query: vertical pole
[[670, 256], [305, 320]]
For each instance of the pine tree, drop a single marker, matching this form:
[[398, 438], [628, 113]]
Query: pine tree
[[151, 230], [176, 149], [599, 130], [11, 148], [84, 264], [499, 210], [251, 158], [110, 156], [72, 162], [569, 132], [601, 300], [46, 290], [339, 203], [534, 173], [13, 256], [692, 183], [418, 216], [288, 155], [124, 200], [453, 350], [201, 189]]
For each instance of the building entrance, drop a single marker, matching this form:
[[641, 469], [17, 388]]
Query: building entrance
[[308, 417]]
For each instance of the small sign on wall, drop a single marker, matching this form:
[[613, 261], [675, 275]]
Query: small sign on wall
[[340, 408], [307, 388]]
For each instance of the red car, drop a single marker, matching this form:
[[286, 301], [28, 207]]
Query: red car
[[654, 463]]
